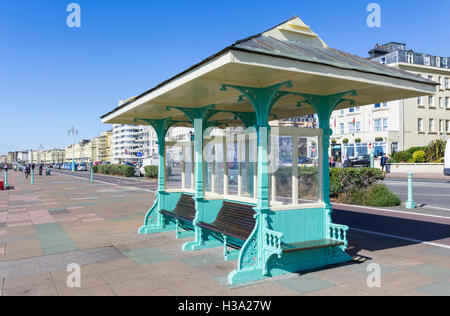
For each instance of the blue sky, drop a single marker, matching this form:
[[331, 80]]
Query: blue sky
[[52, 76]]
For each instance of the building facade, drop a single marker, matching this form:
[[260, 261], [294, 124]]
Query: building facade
[[398, 125]]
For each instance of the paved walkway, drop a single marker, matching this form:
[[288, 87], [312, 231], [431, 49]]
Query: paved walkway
[[64, 219]]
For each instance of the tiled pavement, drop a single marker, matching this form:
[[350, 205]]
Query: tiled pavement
[[62, 220]]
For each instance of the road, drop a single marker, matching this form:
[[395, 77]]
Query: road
[[434, 193]]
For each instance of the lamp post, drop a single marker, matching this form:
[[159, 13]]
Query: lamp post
[[372, 140], [72, 131]]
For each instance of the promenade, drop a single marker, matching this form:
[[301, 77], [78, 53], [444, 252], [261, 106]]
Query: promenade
[[64, 219]]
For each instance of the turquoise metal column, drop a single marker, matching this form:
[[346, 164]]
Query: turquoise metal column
[[410, 204], [32, 176], [92, 175], [198, 159], [372, 159], [6, 178], [253, 256]]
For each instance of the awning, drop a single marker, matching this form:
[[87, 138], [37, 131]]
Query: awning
[[289, 52]]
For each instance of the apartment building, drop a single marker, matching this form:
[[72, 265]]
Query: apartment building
[[54, 156], [398, 125], [82, 152]]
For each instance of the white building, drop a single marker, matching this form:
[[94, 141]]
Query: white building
[[397, 125]]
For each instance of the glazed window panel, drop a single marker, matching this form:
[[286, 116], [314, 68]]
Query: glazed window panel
[[174, 167], [284, 171], [308, 170]]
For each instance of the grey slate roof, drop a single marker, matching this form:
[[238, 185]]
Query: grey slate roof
[[297, 51], [327, 56]]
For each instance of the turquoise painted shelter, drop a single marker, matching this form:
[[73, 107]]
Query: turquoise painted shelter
[[244, 181]]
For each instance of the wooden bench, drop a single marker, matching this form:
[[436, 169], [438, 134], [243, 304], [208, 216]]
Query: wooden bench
[[184, 211], [234, 220]]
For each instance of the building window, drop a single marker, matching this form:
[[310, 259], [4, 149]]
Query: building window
[[441, 104], [379, 149], [427, 61], [377, 125], [419, 101], [441, 126], [447, 83], [430, 77], [438, 61], [358, 127], [361, 149], [420, 125], [349, 150], [431, 101], [342, 128], [447, 126], [447, 102], [351, 110], [410, 58], [351, 128], [385, 124], [431, 125]]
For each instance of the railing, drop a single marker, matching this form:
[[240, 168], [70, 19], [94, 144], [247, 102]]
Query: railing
[[272, 242], [338, 232]]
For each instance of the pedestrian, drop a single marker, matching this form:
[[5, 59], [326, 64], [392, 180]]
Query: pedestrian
[[383, 162], [40, 169], [333, 162], [26, 170]]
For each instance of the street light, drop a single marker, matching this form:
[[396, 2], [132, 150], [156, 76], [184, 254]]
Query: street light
[[72, 131]]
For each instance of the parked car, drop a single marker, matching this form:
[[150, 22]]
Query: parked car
[[360, 161], [82, 167]]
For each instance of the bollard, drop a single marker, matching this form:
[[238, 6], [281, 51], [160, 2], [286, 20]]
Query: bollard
[[372, 160], [6, 179], [32, 176], [92, 176], [410, 203]]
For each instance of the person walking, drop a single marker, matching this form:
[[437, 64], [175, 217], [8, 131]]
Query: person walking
[[41, 168], [27, 170], [383, 163]]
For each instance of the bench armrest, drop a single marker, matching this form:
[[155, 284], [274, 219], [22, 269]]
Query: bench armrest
[[272, 242], [338, 232]]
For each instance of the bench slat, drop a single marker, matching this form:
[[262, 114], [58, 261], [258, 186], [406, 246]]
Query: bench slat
[[310, 245], [185, 209], [234, 220]]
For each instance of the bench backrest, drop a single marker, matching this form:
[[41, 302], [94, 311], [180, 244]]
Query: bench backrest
[[236, 218], [185, 206]]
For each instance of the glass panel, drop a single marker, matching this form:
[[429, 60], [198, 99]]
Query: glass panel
[[219, 167], [188, 165], [308, 169], [174, 167], [233, 168], [208, 162], [284, 171]]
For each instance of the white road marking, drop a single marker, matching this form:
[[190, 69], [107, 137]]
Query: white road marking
[[402, 238]]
